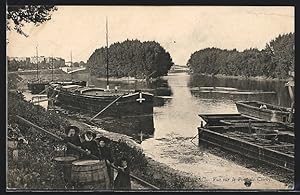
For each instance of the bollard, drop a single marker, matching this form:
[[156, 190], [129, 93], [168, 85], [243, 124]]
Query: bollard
[[15, 154]]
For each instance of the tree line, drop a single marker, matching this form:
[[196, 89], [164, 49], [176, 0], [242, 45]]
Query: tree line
[[131, 58], [15, 65], [276, 60]]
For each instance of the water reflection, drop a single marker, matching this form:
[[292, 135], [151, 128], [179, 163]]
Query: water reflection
[[177, 120], [176, 109], [280, 98], [159, 87]]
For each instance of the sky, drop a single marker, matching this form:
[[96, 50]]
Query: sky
[[181, 30]]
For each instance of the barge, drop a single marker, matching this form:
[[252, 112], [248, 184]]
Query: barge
[[255, 139], [93, 100], [128, 112], [36, 87]]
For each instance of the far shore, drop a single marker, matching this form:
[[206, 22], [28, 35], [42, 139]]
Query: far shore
[[124, 79], [257, 78]]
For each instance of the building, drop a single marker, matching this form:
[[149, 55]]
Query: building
[[43, 61]]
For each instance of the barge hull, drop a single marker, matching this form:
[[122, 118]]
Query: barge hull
[[277, 159], [125, 106]]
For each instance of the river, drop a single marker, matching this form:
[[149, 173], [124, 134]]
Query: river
[[176, 120]]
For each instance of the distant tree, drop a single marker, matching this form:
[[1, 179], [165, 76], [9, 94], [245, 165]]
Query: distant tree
[[76, 64], [18, 15], [82, 64], [13, 65], [276, 60], [281, 52], [131, 58]]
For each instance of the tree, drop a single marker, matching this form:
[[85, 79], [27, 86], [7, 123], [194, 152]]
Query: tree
[[276, 60], [281, 52], [76, 64], [131, 58], [18, 15]]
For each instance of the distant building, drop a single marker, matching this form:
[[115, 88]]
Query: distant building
[[19, 59], [68, 63], [57, 61], [40, 59]]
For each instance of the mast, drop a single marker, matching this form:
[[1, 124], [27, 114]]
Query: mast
[[71, 59], [52, 67], [37, 64], [107, 83]]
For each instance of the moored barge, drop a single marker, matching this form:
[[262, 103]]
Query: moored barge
[[93, 100], [36, 87], [268, 142]]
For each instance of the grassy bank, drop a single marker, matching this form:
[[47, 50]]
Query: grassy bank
[[35, 169], [156, 173]]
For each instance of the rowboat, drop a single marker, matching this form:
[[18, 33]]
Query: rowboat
[[264, 111]]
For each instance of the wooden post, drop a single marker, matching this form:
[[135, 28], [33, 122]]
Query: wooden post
[[250, 126], [15, 154], [141, 136], [199, 132], [291, 84]]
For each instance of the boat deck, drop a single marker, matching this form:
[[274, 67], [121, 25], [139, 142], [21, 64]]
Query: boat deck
[[97, 92]]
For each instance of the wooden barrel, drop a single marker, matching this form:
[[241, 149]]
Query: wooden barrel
[[90, 173], [65, 164]]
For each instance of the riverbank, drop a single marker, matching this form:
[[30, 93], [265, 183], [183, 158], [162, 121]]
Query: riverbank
[[257, 78], [125, 79], [35, 169], [18, 79], [182, 175], [156, 173], [215, 172]]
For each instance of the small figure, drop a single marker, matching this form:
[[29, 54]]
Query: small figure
[[122, 180], [105, 154], [90, 145], [72, 137], [247, 182]]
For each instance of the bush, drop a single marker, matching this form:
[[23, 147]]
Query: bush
[[34, 168]]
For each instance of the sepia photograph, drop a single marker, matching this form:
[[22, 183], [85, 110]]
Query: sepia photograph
[[150, 98]]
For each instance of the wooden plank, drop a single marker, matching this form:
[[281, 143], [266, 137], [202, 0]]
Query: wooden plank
[[281, 146]]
